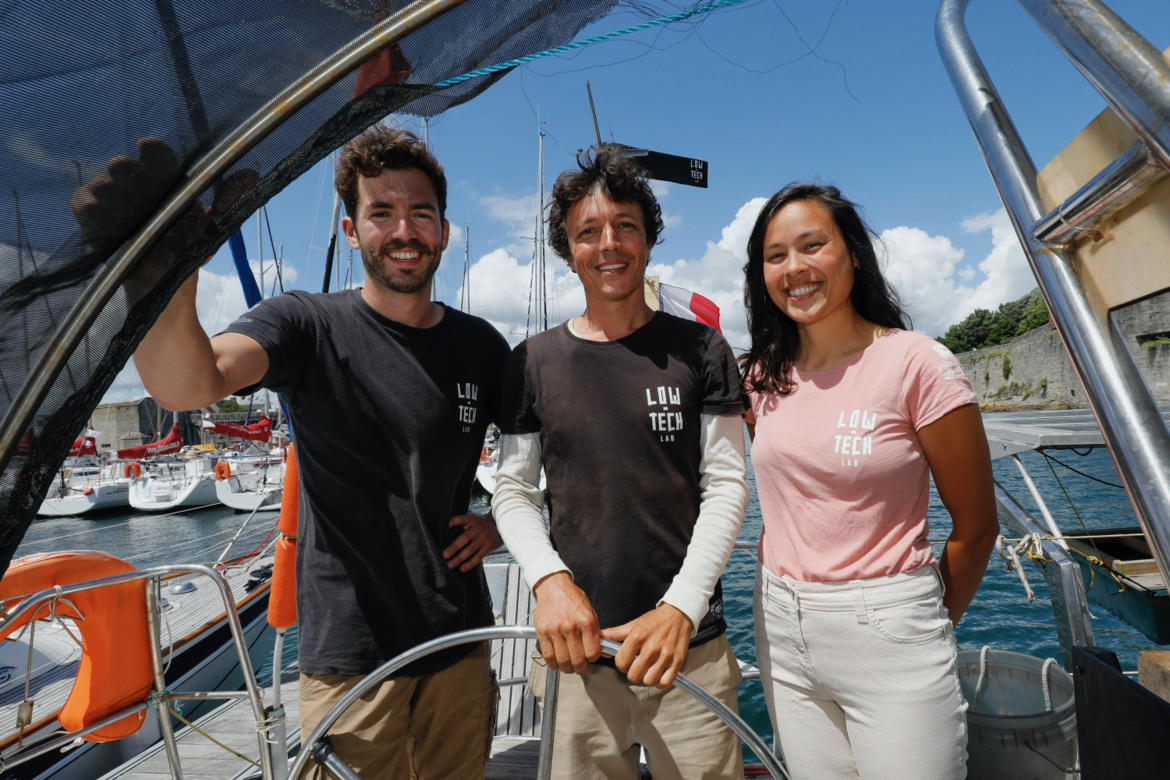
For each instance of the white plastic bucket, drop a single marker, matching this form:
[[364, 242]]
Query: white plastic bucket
[[1011, 733]]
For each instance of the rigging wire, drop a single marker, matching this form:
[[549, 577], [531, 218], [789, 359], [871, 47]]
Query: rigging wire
[[1078, 471], [275, 261], [316, 214]]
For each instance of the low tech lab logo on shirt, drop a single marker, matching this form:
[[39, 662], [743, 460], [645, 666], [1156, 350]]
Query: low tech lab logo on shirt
[[468, 395], [855, 444], [664, 421]]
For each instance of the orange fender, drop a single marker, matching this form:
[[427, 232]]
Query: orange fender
[[115, 670], [282, 599], [132, 470], [223, 470]]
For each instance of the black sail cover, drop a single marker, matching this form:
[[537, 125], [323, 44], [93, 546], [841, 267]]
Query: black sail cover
[[81, 83]]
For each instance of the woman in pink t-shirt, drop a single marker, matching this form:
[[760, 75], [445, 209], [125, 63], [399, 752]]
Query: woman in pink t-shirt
[[852, 414]]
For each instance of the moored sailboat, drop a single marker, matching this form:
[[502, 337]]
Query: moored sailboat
[[253, 481]]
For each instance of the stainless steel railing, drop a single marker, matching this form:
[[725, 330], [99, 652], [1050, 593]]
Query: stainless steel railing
[[160, 696], [1132, 76]]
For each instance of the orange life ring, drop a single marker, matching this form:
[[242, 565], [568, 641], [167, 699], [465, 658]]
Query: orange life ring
[[223, 470], [115, 669], [282, 599], [133, 470]]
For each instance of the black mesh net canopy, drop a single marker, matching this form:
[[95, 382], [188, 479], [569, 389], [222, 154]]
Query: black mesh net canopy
[[83, 83]]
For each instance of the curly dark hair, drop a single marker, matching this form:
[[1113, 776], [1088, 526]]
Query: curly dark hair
[[381, 148], [608, 169], [775, 339]]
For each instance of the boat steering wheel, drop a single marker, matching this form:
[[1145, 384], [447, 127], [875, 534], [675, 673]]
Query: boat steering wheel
[[316, 747]]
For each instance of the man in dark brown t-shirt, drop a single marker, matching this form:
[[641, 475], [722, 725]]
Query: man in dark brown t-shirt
[[635, 417]]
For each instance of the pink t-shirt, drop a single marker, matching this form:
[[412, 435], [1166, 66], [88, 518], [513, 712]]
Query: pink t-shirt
[[842, 479]]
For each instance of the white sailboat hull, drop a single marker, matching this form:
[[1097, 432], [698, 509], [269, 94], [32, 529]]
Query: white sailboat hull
[[89, 499], [485, 475], [231, 493], [152, 494]]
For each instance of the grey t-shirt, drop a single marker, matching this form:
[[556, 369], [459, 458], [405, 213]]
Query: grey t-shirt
[[620, 426], [388, 422]]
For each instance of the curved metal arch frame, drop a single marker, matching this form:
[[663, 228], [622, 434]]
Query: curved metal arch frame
[[225, 154], [753, 740]]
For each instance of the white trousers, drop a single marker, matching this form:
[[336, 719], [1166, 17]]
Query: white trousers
[[860, 677]]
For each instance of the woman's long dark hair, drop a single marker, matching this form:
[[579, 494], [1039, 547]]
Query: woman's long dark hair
[[775, 338]]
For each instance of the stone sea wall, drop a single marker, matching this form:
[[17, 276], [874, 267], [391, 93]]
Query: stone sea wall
[[1034, 369]]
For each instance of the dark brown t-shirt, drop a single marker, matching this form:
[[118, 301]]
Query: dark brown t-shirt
[[620, 427]]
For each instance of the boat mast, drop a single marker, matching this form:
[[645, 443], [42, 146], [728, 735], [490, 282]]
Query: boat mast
[[543, 297], [332, 235], [593, 113], [465, 293], [537, 291]]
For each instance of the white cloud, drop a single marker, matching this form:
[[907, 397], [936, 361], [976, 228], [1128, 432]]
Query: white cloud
[[500, 287], [922, 268], [937, 289], [519, 213], [455, 238], [1006, 267]]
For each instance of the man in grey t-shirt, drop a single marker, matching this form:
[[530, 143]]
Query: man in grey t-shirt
[[635, 416]]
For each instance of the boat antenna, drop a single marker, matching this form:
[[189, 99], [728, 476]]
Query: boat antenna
[[593, 113]]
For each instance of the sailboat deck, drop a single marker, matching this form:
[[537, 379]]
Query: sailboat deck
[[513, 757], [233, 725]]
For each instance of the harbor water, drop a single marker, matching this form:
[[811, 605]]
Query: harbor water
[[1000, 616]]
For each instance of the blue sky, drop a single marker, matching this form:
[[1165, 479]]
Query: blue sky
[[770, 91]]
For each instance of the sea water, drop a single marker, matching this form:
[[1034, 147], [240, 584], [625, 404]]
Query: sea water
[[1000, 615]]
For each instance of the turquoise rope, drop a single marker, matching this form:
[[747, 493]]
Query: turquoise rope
[[588, 42]]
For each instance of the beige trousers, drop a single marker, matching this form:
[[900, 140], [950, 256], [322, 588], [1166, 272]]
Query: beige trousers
[[437, 727], [602, 720]]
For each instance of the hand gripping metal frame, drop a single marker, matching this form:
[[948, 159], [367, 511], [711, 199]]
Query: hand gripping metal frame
[[314, 743]]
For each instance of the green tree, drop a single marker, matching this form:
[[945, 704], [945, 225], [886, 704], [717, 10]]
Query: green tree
[[1006, 322], [969, 334], [983, 328], [1035, 313], [230, 406]]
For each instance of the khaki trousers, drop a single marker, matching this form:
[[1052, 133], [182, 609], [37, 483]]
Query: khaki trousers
[[437, 727], [602, 720]]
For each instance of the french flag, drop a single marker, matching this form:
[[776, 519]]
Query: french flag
[[688, 305]]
